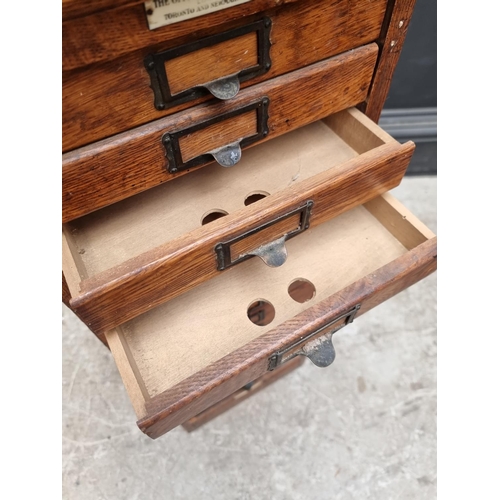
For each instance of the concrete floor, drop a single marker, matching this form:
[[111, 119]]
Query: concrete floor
[[363, 428]]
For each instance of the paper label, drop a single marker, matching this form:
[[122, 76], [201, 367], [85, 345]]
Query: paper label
[[163, 12]]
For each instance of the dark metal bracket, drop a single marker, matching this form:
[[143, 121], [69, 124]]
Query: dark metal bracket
[[223, 88], [319, 349], [223, 250], [226, 156]]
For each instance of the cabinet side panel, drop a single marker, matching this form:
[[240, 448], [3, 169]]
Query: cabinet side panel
[[392, 42]]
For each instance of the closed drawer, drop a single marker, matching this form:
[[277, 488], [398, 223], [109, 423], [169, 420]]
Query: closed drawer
[[183, 356], [72, 9], [105, 99], [124, 165], [134, 255], [111, 29]]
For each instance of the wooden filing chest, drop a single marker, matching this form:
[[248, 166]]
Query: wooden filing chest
[[192, 148]]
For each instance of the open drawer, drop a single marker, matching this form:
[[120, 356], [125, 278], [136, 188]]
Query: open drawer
[[182, 357], [162, 150], [127, 258]]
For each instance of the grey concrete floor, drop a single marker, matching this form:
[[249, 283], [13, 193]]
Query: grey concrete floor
[[363, 428]]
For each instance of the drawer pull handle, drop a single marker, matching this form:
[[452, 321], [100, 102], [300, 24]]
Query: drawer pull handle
[[317, 346], [273, 253], [229, 155], [320, 351], [225, 87]]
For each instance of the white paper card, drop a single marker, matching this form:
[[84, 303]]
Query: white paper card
[[163, 12]]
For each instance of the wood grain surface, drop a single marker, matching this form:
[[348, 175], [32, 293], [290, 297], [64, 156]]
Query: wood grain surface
[[121, 283], [109, 34], [393, 36], [212, 62], [72, 9], [106, 99], [171, 405], [108, 171], [271, 233], [242, 394], [217, 135], [175, 267]]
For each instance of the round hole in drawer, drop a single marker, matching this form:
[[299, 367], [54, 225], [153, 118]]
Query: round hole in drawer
[[301, 290], [212, 215], [255, 196], [261, 312]]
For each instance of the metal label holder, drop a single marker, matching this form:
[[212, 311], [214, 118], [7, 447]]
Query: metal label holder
[[223, 250], [224, 87], [320, 351], [173, 152]]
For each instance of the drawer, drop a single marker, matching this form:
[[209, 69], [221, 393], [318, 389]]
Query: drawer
[[242, 394], [126, 164], [105, 99], [74, 9], [182, 357], [136, 254], [90, 35]]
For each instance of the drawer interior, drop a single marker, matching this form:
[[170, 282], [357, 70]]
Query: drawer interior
[[109, 237], [159, 349]]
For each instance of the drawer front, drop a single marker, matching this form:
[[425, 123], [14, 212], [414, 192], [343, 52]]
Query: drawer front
[[108, 98], [107, 33], [150, 248], [347, 266], [242, 394], [73, 9], [124, 165]]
